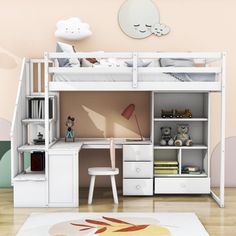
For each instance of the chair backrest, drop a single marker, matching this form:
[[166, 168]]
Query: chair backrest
[[112, 154]]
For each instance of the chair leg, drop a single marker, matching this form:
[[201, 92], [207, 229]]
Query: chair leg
[[114, 190], [91, 188]]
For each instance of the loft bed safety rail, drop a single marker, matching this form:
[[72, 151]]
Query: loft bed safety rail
[[134, 75]]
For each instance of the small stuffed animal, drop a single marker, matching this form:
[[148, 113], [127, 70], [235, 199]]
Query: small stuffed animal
[[183, 138], [166, 138]]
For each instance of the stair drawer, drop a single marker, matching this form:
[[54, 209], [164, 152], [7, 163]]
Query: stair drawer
[[137, 187], [138, 169], [137, 153], [182, 185], [30, 194]]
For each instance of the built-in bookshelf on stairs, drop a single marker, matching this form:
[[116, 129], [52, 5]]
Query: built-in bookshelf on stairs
[[180, 158]]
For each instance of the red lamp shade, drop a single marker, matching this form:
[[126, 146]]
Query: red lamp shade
[[128, 111]]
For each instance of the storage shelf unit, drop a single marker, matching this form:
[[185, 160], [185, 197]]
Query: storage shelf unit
[[195, 155]]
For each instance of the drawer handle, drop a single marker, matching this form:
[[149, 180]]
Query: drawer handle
[[183, 185], [138, 170], [138, 187]]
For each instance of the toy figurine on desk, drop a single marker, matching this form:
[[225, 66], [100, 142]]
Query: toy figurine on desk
[[69, 135]]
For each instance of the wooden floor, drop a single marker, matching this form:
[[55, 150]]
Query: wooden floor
[[217, 221]]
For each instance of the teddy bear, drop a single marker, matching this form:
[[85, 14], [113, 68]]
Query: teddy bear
[[166, 138], [183, 138]]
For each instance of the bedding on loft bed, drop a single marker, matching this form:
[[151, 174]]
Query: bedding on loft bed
[[161, 77], [122, 63]]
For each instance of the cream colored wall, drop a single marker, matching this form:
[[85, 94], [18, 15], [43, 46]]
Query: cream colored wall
[[27, 30]]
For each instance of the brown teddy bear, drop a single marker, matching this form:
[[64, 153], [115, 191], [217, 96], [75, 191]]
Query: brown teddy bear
[[183, 138]]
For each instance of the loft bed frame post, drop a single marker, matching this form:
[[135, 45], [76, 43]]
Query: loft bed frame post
[[220, 199], [46, 112], [135, 70]]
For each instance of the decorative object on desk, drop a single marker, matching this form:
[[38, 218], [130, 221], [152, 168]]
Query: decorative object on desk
[[166, 138], [39, 140], [72, 29], [140, 19], [183, 138], [70, 136], [128, 112], [167, 113], [183, 113], [37, 162]]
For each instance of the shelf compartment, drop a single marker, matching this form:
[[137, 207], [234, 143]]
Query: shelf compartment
[[197, 130], [196, 102]]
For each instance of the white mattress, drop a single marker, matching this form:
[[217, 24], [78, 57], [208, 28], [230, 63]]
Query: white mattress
[[161, 77]]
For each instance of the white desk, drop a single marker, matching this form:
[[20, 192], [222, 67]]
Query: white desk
[[63, 174]]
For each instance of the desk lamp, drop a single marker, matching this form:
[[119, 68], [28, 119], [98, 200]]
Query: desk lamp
[[128, 112]]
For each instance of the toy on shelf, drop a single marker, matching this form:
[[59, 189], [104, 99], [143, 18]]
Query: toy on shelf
[[166, 138], [183, 113], [69, 135], [167, 113], [183, 138], [40, 140]]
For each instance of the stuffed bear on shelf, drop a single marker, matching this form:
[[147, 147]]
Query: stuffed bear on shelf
[[183, 138], [166, 138]]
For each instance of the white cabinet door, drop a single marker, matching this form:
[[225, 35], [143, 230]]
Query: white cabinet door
[[137, 153], [138, 169], [137, 187], [182, 185], [63, 179]]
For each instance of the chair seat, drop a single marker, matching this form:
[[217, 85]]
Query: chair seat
[[103, 171]]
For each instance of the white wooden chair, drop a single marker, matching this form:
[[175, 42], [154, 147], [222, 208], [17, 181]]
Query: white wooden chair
[[105, 171]]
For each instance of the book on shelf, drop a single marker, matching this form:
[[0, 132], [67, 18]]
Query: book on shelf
[[166, 163], [166, 167], [166, 171], [37, 106]]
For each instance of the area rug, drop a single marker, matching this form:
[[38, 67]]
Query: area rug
[[110, 224]]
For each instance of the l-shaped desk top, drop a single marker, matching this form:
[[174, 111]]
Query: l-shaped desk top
[[95, 143]]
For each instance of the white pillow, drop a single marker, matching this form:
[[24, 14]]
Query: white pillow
[[67, 62], [141, 63]]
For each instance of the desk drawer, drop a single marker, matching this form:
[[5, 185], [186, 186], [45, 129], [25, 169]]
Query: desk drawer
[[182, 185], [137, 187], [138, 169], [137, 153]]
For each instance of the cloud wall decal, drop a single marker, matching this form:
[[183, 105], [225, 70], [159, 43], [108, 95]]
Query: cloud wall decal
[[72, 29]]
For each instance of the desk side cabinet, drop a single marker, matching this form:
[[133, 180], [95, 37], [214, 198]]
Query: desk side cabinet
[[137, 170], [63, 179]]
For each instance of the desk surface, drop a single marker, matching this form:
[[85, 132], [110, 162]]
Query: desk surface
[[95, 143]]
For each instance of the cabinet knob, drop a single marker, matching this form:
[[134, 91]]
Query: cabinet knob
[[138, 170], [138, 187]]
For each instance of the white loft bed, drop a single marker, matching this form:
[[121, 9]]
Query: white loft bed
[[135, 78], [52, 79]]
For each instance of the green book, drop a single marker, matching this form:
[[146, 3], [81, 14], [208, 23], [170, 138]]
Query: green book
[[166, 162], [166, 167], [166, 172]]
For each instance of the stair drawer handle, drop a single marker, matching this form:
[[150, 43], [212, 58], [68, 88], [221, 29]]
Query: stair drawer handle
[[138, 170], [138, 187]]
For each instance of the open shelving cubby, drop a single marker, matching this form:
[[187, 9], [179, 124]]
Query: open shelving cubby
[[196, 155]]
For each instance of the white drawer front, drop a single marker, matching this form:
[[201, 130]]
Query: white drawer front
[[182, 185], [137, 187], [30, 194], [137, 153], [138, 169]]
